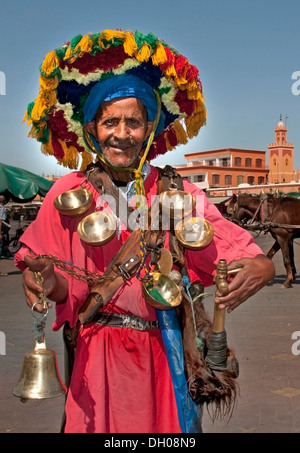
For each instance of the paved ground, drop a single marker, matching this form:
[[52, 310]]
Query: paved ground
[[260, 330]]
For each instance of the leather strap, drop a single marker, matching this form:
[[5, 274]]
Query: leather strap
[[104, 185], [122, 320]]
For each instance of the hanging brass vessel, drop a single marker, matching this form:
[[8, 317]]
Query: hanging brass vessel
[[97, 228], [74, 203], [177, 203], [194, 233], [164, 264], [166, 288], [40, 376]]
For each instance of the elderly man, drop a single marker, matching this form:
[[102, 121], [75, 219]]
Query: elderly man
[[130, 93]]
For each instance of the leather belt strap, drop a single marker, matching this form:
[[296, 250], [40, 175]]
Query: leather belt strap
[[121, 320], [104, 185]]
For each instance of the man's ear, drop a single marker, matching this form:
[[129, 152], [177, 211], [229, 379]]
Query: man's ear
[[149, 128], [91, 128]]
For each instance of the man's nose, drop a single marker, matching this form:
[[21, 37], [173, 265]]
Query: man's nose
[[121, 131]]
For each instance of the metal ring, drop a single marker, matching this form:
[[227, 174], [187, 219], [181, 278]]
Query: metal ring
[[44, 315]]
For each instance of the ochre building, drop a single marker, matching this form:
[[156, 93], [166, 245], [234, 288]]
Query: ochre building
[[235, 167]]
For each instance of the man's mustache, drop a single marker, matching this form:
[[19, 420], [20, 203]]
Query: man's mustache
[[119, 143]]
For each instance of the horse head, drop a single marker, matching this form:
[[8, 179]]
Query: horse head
[[242, 208]]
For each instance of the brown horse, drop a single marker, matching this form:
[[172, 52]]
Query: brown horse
[[279, 216]]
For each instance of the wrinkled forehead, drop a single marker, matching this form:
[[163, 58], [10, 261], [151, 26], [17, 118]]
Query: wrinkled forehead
[[122, 107]]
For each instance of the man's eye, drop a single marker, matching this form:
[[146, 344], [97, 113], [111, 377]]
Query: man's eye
[[133, 122], [109, 122]]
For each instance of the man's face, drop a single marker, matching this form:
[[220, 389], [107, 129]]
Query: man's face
[[121, 127]]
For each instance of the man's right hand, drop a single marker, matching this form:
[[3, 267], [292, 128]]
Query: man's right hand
[[54, 285]]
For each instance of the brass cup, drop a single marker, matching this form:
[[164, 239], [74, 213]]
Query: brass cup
[[166, 288], [176, 203], [194, 233], [74, 203], [97, 228]]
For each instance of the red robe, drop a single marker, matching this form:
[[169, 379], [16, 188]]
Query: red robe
[[121, 382]]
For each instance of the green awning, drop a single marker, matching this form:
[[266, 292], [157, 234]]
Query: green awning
[[21, 185]]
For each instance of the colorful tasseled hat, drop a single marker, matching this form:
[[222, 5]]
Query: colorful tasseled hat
[[68, 73]]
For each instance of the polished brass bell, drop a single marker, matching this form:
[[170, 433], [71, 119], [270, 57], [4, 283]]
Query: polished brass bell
[[97, 228], [177, 203], [74, 203], [40, 378], [161, 292], [194, 233]]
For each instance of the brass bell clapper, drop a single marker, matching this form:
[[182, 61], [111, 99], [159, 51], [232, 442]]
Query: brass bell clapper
[[40, 378]]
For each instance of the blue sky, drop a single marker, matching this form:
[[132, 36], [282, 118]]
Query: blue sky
[[246, 53]]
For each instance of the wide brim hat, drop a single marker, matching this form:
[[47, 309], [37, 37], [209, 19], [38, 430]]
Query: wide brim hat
[[68, 73]]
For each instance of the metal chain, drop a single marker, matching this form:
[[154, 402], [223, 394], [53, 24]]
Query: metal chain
[[85, 275]]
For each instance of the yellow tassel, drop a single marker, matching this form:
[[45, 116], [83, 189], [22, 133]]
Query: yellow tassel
[[85, 45], [86, 159], [180, 132], [50, 63], [50, 98], [194, 123], [171, 71], [159, 55], [130, 46], [26, 119], [70, 158], [47, 149], [38, 133], [50, 83], [32, 132], [38, 108], [168, 145], [68, 53], [144, 53], [109, 35], [101, 45]]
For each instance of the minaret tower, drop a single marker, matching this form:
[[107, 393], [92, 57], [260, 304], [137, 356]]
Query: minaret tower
[[281, 156]]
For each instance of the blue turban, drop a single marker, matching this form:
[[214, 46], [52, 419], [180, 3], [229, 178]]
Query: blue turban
[[124, 85]]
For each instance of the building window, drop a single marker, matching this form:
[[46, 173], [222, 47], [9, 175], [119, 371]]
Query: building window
[[237, 161], [240, 179], [216, 179], [228, 179], [261, 180], [199, 178], [258, 163], [250, 179], [248, 162]]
